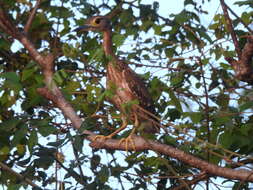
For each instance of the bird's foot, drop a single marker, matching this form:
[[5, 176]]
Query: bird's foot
[[128, 141], [102, 137]]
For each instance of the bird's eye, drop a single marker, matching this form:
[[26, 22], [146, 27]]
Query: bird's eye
[[97, 21]]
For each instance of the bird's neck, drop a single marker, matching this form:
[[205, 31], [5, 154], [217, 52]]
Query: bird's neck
[[107, 43]]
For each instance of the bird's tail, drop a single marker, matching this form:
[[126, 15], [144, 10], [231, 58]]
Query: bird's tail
[[150, 123]]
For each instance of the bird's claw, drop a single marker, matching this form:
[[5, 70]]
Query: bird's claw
[[102, 137], [127, 141]]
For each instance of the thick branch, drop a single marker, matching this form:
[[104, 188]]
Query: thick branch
[[67, 109], [243, 68], [142, 144]]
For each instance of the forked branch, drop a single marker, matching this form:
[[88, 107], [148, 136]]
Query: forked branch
[[243, 66]]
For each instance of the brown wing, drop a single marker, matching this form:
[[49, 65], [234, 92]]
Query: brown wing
[[138, 88]]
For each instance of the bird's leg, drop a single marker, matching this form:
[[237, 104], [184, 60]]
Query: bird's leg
[[129, 139], [123, 126]]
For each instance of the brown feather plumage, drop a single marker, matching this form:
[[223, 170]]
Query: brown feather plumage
[[129, 86]]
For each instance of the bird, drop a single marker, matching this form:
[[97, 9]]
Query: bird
[[126, 85]]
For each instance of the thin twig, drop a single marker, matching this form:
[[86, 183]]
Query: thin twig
[[239, 18], [21, 177], [200, 177], [206, 113], [230, 28], [79, 165], [70, 172], [31, 17]]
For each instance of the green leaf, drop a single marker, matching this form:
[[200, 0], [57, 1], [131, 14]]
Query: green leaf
[[14, 187], [28, 72], [19, 135], [175, 100], [128, 105], [95, 161], [245, 106], [45, 129], [12, 79], [9, 124], [33, 140], [187, 2], [196, 117], [242, 3], [118, 39], [103, 175], [87, 124], [177, 79], [4, 44], [57, 143], [20, 149], [223, 100], [4, 150], [60, 76], [173, 114], [78, 142]]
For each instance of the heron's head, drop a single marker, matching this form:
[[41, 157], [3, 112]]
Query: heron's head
[[96, 23]]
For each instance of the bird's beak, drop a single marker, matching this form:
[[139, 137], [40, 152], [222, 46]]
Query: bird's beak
[[85, 27]]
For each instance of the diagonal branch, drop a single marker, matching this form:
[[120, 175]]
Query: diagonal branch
[[240, 19], [7, 25], [230, 28], [200, 177], [141, 144], [31, 17], [19, 176]]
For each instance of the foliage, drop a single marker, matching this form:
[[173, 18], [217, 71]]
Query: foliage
[[181, 59]]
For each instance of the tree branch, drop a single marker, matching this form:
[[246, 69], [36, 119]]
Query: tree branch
[[22, 178], [230, 28], [239, 18], [243, 68], [31, 17], [141, 144], [200, 177], [7, 25], [71, 172]]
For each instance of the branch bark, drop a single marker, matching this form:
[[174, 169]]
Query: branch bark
[[243, 67], [141, 144]]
